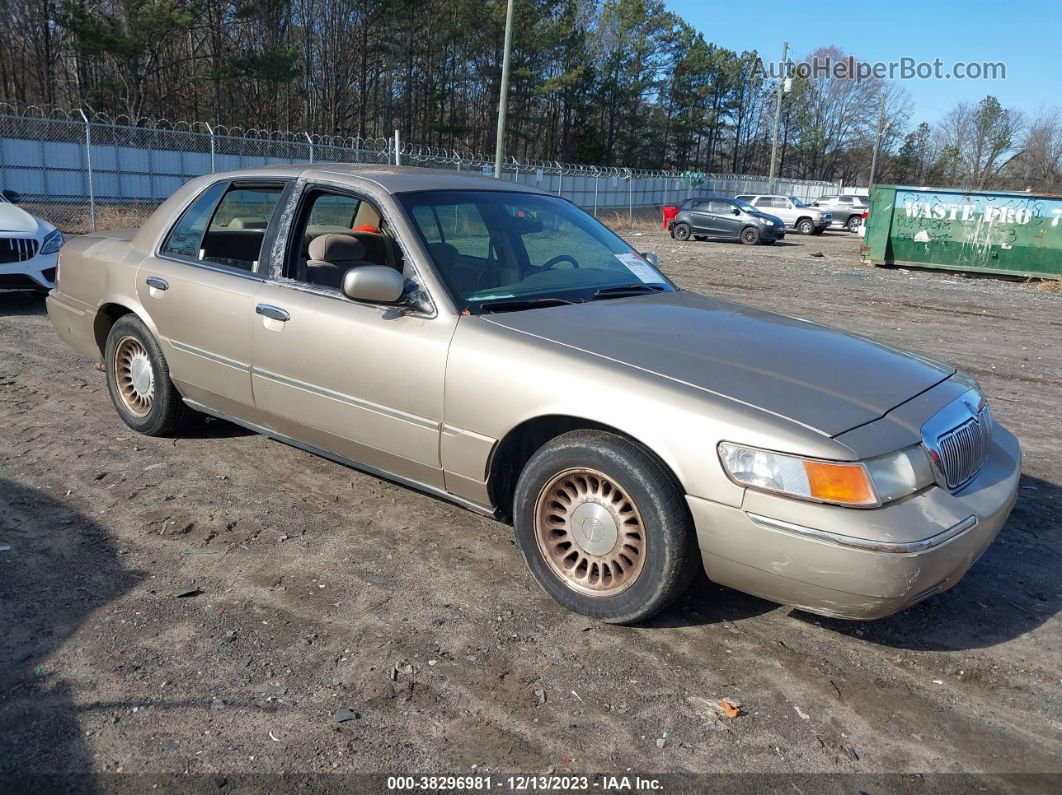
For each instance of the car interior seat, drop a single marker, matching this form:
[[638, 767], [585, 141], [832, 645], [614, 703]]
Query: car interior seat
[[331, 256]]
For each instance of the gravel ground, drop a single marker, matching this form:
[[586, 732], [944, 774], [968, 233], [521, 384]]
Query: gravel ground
[[321, 589]]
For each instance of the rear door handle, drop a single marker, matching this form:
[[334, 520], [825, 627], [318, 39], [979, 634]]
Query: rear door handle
[[273, 312], [157, 282]]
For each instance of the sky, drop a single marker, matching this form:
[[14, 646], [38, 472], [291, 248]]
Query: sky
[[1022, 34]]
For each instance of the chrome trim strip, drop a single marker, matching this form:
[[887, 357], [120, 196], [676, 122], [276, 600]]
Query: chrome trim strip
[[433, 491], [350, 400], [864, 543], [216, 357], [206, 266]]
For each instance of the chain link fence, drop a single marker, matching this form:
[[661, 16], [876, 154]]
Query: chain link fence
[[84, 171]]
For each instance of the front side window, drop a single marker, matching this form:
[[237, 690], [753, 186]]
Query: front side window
[[334, 232], [506, 247]]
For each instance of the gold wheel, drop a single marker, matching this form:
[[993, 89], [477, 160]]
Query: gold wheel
[[134, 376], [590, 533]]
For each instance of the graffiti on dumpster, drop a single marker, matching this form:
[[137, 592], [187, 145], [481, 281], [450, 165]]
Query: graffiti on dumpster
[[978, 223]]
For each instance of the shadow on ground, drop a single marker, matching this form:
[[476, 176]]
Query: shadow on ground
[[21, 302], [61, 567]]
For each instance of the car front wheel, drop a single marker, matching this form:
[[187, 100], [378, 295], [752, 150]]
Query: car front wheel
[[603, 527], [750, 236], [806, 227], [138, 379], [681, 232]]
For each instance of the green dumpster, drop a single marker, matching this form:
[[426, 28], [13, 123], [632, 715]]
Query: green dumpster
[[1015, 234]]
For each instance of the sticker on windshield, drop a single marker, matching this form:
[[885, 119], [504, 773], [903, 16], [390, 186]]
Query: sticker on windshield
[[640, 268]]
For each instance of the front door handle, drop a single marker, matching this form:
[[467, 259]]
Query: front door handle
[[157, 282], [273, 312]]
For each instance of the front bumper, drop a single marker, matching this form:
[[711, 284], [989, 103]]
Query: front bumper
[[859, 564], [38, 272]]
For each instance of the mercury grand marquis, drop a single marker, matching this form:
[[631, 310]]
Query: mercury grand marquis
[[496, 346]]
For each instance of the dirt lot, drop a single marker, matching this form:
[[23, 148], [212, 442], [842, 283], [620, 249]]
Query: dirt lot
[[324, 589]]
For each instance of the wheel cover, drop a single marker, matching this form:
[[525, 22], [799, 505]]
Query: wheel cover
[[134, 376], [590, 533]]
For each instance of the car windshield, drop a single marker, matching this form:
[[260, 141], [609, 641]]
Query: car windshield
[[505, 250], [744, 205], [796, 202]]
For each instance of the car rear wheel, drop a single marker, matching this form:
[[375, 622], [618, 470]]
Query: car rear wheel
[[805, 227], [750, 236], [681, 232], [138, 379], [854, 223], [603, 527]]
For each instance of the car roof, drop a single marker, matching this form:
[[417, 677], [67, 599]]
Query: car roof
[[394, 179]]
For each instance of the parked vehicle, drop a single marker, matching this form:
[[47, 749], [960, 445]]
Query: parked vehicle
[[732, 219], [29, 247], [494, 345], [796, 215], [847, 210]]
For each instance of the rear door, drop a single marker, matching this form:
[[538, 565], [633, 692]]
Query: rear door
[[700, 218], [199, 289]]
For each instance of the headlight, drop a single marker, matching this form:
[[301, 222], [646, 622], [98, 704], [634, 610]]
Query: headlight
[[863, 484], [53, 241]]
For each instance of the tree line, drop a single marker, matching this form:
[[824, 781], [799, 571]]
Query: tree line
[[605, 82]]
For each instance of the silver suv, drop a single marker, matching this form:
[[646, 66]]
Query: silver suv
[[796, 214], [847, 210]]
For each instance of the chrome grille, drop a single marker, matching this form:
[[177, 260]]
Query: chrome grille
[[17, 249], [962, 450]]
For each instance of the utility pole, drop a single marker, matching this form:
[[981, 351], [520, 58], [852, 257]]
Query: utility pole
[[503, 95], [777, 117], [877, 143]]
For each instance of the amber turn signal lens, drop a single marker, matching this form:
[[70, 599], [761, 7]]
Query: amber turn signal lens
[[845, 483]]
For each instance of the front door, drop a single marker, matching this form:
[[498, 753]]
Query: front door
[[360, 381], [199, 290], [723, 221]]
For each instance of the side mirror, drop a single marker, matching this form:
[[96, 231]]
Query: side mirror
[[13, 197], [651, 258], [374, 284], [736, 211]]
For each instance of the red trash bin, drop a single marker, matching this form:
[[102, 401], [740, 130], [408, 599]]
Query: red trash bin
[[670, 211]]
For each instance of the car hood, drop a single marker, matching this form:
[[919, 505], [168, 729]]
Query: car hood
[[15, 219], [824, 379]]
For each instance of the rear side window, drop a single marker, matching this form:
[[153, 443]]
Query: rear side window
[[228, 232], [186, 236], [719, 208]]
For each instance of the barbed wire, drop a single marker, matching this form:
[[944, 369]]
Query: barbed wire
[[410, 152]]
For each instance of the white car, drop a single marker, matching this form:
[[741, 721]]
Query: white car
[[796, 215], [29, 247]]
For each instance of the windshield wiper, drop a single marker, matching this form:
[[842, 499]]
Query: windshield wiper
[[624, 290], [516, 304]]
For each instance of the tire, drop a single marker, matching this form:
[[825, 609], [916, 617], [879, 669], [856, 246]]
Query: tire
[[681, 232], [853, 223], [750, 236], [138, 379], [625, 496], [805, 226]]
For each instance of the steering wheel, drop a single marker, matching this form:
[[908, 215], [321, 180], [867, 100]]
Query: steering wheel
[[557, 260]]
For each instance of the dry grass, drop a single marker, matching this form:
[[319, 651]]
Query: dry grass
[[1048, 286], [110, 217], [645, 220]]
